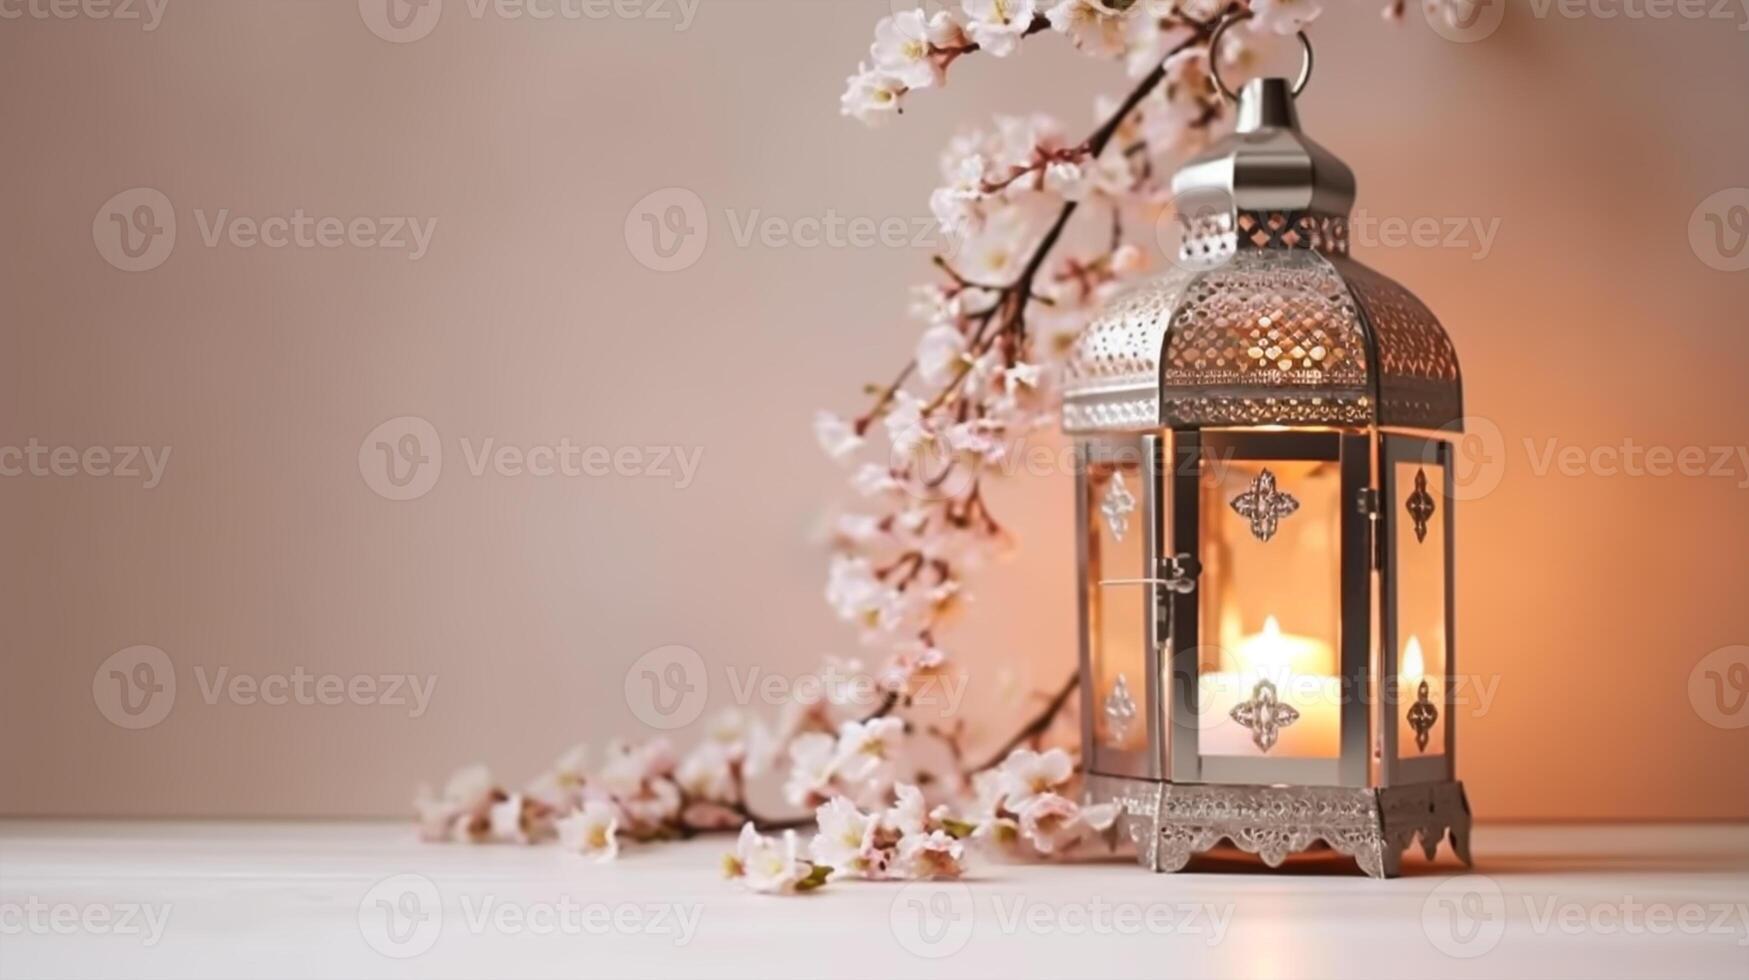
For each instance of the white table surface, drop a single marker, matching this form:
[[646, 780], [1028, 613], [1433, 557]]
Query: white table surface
[[237, 900]]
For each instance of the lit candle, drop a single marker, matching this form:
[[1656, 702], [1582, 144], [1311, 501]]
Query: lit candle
[[1411, 675], [1414, 664], [1303, 672]]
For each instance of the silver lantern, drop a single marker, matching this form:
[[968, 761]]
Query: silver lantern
[[1264, 483]]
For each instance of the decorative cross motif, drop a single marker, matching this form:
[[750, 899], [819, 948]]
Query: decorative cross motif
[[1120, 709], [1265, 715], [1117, 506], [1421, 506], [1422, 716], [1264, 505]]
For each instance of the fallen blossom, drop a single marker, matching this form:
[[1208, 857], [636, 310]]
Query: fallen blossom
[[772, 867], [592, 831], [1053, 824]]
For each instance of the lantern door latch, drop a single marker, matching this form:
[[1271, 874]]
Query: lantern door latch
[[1367, 505], [1176, 574]]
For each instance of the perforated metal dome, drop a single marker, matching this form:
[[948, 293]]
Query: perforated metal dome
[[1265, 320]]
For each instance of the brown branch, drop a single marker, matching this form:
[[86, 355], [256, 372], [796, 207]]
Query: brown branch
[[1040, 724]]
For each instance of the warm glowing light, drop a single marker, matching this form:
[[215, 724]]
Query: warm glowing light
[[1277, 655], [1303, 670], [1414, 666], [1267, 651]]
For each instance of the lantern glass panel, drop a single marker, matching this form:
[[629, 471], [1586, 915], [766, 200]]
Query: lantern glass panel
[[1117, 601], [1269, 682], [1421, 509]]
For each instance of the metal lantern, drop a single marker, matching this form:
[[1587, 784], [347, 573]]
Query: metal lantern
[[1264, 501]]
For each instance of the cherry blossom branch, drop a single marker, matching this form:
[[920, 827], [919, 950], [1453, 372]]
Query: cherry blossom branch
[[1039, 724]]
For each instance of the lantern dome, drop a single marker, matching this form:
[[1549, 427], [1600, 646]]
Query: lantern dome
[[1263, 319]]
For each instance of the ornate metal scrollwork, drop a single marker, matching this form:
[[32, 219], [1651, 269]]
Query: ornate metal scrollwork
[[1421, 506], [1265, 715], [1117, 506], [1422, 717], [1120, 710], [1264, 505]]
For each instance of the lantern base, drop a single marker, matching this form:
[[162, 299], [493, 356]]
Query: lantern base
[[1171, 822]]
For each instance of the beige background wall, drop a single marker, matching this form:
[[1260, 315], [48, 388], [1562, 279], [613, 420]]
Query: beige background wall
[[1592, 598]]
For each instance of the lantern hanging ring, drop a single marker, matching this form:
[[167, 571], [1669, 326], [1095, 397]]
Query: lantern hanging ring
[[1215, 58]]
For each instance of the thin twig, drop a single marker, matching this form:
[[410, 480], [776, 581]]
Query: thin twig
[[1040, 724]]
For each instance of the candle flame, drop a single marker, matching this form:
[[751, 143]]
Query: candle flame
[[1269, 652], [1414, 666]]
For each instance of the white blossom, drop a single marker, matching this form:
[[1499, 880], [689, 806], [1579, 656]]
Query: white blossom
[[871, 96], [592, 831], [837, 437], [997, 25], [873, 479], [901, 50], [768, 866], [931, 855], [867, 751], [1052, 824], [1026, 774], [707, 773], [940, 350], [1095, 28], [846, 841], [813, 758]]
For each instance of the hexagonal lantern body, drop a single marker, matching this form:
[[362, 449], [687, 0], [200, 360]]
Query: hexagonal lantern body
[[1264, 490]]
